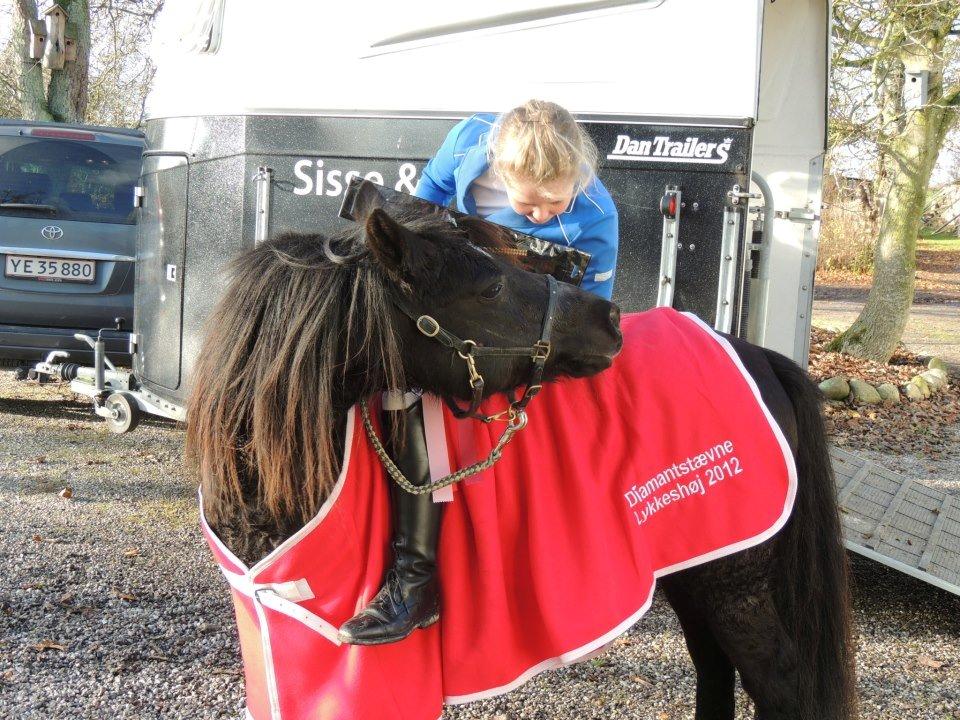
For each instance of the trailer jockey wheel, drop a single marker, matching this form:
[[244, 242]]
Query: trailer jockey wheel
[[126, 412]]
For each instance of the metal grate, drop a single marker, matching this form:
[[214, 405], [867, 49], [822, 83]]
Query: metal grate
[[898, 522]]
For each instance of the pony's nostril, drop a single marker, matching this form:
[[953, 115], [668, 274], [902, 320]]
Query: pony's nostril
[[615, 316]]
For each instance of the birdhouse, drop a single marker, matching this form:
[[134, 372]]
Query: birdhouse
[[55, 18], [916, 88], [38, 39], [70, 50]]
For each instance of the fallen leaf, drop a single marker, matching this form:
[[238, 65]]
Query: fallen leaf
[[131, 552], [48, 645], [122, 595], [642, 681], [67, 598], [38, 538], [929, 662], [66, 493]]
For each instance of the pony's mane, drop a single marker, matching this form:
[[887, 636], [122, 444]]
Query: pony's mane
[[302, 332]]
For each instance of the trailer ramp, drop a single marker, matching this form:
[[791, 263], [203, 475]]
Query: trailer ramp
[[898, 522]]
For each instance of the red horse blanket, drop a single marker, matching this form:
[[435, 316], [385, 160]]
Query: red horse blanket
[[665, 461]]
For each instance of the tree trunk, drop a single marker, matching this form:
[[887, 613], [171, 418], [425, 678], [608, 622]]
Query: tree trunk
[[33, 101], [911, 157], [67, 92]]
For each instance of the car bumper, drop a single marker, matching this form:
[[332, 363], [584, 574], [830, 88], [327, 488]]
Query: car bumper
[[32, 344]]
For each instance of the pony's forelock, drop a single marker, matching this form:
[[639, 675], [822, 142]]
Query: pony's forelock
[[278, 366]]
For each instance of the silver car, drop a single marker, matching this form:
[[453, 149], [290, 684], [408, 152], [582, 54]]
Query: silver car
[[67, 238]]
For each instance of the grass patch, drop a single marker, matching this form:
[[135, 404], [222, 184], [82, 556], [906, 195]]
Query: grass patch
[[941, 242], [926, 232]]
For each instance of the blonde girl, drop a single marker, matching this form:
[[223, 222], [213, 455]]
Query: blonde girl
[[532, 169]]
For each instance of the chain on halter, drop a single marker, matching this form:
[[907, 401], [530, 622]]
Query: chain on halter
[[468, 350], [514, 425]]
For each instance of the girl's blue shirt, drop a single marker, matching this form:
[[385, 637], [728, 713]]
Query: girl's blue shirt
[[589, 224]]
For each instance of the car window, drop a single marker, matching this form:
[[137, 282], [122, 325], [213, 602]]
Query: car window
[[68, 179]]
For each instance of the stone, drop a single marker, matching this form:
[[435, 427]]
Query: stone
[[835, 388], [937, 364], [912, 391], [864, 392], [936, 379], [923, 385], [889, 393]]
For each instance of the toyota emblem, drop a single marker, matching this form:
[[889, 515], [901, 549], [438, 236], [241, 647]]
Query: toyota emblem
[[52, 232]]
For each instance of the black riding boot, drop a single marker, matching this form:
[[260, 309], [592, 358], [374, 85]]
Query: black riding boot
[[408, 599]]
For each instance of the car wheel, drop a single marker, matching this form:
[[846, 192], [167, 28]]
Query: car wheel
[[126, 410]]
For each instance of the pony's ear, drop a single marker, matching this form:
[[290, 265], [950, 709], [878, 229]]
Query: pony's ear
[[399, 251]]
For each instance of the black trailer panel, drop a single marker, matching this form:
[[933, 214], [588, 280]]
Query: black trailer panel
[[245, 178]]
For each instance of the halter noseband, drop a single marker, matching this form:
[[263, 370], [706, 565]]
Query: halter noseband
[[469, 350]]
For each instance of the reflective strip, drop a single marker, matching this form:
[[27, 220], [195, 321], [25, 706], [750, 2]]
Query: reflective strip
[[294, 590], [600, 277]]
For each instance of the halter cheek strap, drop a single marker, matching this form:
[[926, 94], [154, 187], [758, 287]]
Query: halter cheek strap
[[470, 350]]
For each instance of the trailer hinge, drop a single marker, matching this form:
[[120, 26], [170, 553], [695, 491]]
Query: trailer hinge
[[138, 193], [738, 196], [798, 215]]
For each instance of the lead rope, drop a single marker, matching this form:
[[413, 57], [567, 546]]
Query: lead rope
[[514, 425]]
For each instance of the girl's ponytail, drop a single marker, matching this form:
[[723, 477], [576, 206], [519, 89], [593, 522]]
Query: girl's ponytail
[[540, 142]]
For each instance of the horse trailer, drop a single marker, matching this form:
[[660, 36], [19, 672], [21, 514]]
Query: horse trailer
[[710, 119], [713, 162]]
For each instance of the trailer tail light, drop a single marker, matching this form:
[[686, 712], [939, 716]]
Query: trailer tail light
[[668, 205], [62, 134]]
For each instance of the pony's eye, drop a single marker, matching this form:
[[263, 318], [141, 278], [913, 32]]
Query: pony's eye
[[491, 292]]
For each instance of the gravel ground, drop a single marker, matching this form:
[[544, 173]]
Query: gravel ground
[[110, 606]]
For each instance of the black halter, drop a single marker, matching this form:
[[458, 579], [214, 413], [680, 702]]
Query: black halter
[[469, 350]]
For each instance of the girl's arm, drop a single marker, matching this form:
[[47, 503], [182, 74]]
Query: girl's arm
[[601, 240], [437, 181]]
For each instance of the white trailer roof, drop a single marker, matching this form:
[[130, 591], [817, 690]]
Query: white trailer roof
[[650, 57]]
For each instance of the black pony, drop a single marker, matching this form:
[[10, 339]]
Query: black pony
[[302, 335]]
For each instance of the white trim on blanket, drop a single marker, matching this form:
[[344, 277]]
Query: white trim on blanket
[[216, 539], [327, 506], [285, 546], [791, 465], [585, 652], [571, 657]]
